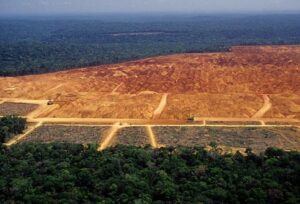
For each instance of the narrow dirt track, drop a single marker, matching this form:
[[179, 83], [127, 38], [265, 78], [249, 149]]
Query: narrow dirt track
[[291, 120], [168, 125], [16, 100], [116, 89], [143, 122], [42, 109], [265, 108], [146, 123], [161, 106], [151, 136], [262, 123], [52, 89], [20, 137], [109, 137]]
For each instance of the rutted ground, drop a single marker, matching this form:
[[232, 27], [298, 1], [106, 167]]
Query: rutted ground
[[202, 85], [61, 133]]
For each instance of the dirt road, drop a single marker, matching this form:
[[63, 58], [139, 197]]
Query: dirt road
[[288, 120], [144, 122], [265, 108], [147, 123], [116, 89], [42, 109], [35, 116], [17, 100], [109, 137], [161, 106], [20, 137], [52, 89], [151, 136]]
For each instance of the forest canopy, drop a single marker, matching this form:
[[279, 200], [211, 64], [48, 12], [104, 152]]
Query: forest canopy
[[69, 173], [39, 45]]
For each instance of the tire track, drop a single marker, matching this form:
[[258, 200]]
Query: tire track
[[265, 108], [151, 136], [114, 91], [109, 137], [161, 106]]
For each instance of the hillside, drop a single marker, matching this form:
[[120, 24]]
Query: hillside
[[231, 84]]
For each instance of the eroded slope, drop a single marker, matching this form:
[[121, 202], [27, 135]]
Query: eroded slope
[[229, 84]]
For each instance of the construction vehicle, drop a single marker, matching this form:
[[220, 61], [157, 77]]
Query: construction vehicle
[[191, 119], [50, 102]]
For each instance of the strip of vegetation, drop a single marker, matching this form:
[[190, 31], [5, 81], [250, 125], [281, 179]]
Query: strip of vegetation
[[69, 173], [10, 126]]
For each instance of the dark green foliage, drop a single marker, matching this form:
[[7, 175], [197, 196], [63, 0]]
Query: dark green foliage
[[10, 126], [31, 46], [66, 173]]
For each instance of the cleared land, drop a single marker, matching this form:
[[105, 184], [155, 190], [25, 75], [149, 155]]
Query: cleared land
[[256, 138], [284, 123], [229, 138], [231, 84], [70, 134], [233, 93], [21, 109], [233, 123]]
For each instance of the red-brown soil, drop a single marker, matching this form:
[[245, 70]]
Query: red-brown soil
[[228, 84]]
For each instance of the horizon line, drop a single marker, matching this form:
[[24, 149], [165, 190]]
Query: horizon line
[[149, 13]]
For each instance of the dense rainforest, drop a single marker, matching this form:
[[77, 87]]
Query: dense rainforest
[[69, 173], [32, 45]]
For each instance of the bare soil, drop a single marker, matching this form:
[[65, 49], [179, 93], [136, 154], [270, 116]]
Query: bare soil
[[232, 123], [202, 85]]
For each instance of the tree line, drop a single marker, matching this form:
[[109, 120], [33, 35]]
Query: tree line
[[33, 46]]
